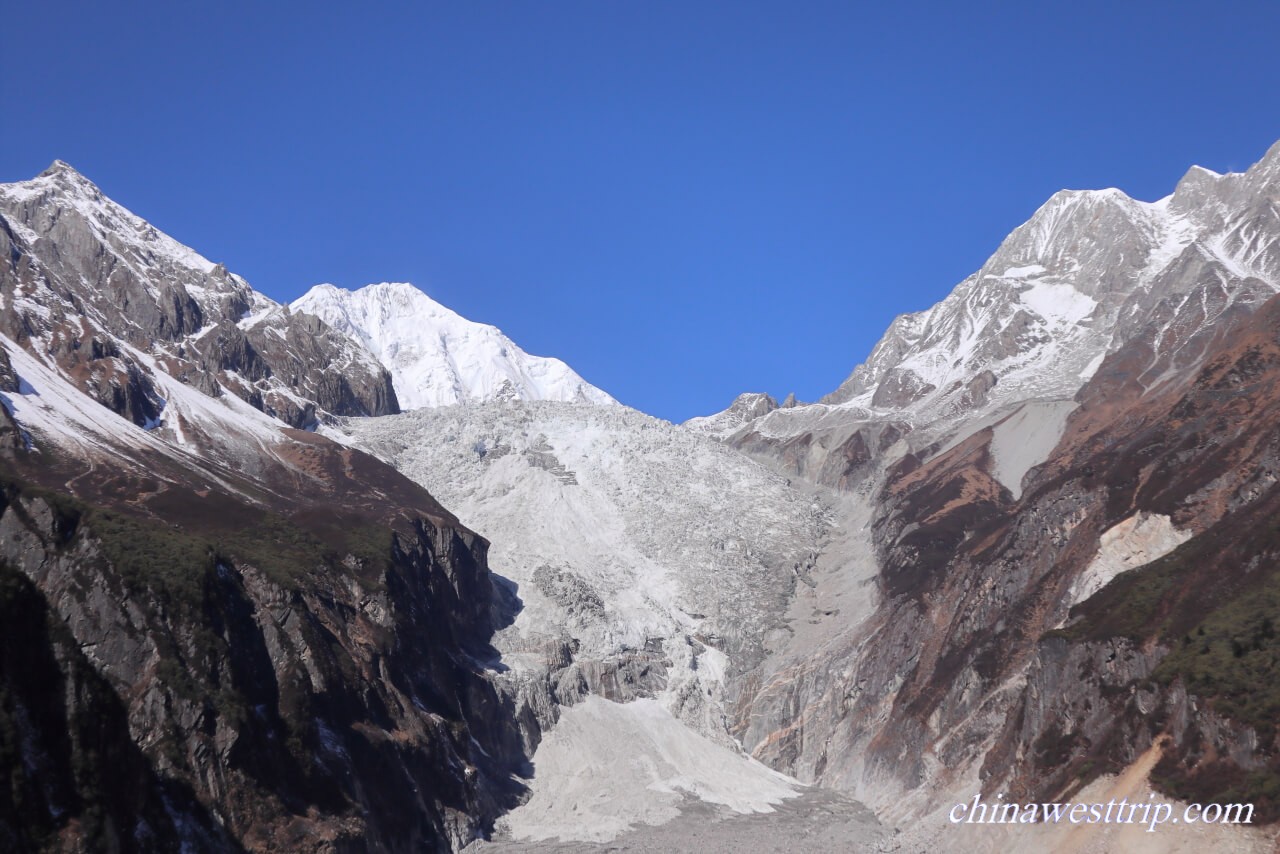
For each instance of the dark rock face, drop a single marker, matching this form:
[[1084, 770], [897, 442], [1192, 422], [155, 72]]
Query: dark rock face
[[900, 388], [68, 731], [8, 377], [89, 281], [256, 702], [978, 390]]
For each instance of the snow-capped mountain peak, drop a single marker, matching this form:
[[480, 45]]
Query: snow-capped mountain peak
[[437, 357], [1087, 272]]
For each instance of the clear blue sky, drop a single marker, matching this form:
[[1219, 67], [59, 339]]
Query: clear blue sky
[[683, 200]]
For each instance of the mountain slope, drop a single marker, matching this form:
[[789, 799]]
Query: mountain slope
[[1028, 545], [435, 356], [257, 638], [1085, 273], [1058, 483]]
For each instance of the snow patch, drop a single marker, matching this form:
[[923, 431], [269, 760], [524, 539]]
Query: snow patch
[[1023, 272], [1090, 369], [1025, 439], [1058, 303], [1135, 542]]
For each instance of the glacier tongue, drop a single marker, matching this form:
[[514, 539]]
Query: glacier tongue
[[608, 767], [653, 566], [437, 357], [674, 534]]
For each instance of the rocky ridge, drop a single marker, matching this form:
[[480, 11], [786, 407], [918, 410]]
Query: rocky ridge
[[1090, 271], [87, 285]]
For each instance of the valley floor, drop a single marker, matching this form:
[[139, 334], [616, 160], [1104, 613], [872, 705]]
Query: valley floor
[[822, 821], [817, 820]]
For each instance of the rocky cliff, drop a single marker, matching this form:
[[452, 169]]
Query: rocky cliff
[[307, 674]]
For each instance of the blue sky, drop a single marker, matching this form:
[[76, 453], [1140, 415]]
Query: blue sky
[[683, 200]]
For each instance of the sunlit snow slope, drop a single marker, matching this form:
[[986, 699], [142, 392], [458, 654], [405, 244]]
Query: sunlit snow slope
[[436, 356]]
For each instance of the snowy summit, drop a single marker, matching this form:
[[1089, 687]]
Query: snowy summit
[[437, 357]]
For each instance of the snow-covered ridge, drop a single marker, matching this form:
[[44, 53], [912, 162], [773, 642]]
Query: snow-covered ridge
[[435, 356], [1089, 271]]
